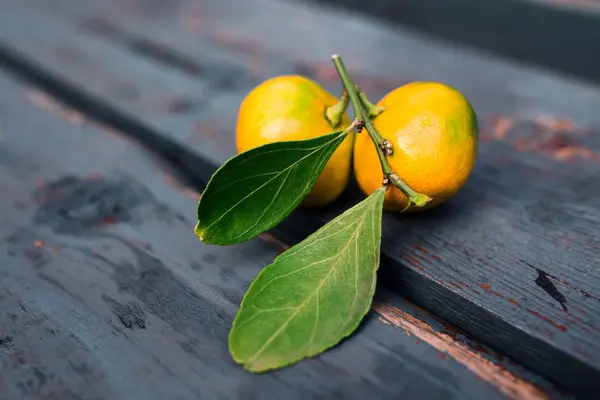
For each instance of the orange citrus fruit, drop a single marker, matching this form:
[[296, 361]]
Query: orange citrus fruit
[[292, 107], [433, 130]]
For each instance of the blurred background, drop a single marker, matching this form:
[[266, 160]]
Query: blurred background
[[171, 75]]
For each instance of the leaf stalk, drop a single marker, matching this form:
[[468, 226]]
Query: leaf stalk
[[373, 110], [335, 112]]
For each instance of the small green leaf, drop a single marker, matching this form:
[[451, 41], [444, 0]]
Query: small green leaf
[[314, 294], [255, 190]]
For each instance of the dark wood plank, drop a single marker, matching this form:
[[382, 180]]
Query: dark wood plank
[[529, 206], [561, 35], [106, 293]]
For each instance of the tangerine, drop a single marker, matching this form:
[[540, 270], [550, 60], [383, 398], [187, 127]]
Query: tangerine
[[433, 130], [292, 107]]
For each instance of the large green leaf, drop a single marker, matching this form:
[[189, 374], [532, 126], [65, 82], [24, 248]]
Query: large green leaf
[[255, 190], [314, 294]]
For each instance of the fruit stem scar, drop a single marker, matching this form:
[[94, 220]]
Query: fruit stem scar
[[382, 146]]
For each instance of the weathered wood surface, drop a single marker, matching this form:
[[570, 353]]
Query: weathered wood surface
[[562, 35], [513, 259], [105, 292]]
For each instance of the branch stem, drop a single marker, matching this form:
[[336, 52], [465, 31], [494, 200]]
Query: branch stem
[[350, 87], [362, 114]]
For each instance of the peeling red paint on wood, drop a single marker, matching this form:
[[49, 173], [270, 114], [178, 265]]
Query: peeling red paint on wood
[[508, 383], [175, 184], [413, 261], [50, 104], [210, 130], [581, 310], [555, 124], [418, 256], [108, 221], [501, 126], [423, 253], [420, 248], [548, 320], [559, 147], [268, 237], [485, 287], [554, 136], [498, 294]]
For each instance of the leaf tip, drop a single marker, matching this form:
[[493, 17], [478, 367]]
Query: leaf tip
[[248, 366], [261, 366], [256, 370], [234, 356]]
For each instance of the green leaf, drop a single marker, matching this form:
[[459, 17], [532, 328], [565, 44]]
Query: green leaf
[[314, 294], [255, 190]]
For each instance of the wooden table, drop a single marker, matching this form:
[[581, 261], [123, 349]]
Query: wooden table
[[113, 115]]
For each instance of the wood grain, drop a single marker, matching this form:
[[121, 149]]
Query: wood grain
[[512, 259], [507, 382]]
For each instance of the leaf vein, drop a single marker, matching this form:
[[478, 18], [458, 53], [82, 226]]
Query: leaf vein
[[376, 261], [291, 147], [301, 305], [264, 184], [314, 331], [275, 278], [354, 298], [273, 309], [308, 245], [243, 323], [267, 208], [220, 189]]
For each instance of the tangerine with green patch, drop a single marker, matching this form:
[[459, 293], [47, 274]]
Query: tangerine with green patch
[[292, 107], [433, 131]]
